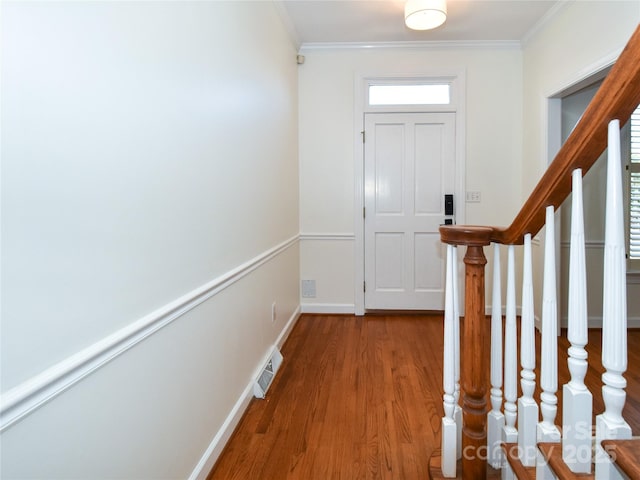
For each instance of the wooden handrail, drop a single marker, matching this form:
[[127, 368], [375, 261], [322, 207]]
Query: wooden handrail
[[617, 98]]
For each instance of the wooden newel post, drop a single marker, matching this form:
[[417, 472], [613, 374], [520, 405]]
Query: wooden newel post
[[474, 368], [474, 348]]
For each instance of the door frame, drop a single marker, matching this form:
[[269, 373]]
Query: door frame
[[456, 78], [553, 137]]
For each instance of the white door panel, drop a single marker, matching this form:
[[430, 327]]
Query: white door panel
[[428, 251], [409, 167], [389, 262]]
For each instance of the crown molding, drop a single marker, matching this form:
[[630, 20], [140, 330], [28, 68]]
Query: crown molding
[[287, 23], [542, 23], [454, 44]]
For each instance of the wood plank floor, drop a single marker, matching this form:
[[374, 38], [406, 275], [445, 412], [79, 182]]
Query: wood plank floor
[[361, 398]]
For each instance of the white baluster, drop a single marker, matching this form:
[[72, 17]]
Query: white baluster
[[547, 430], [577, 401], [495, 421], [527, 407], [457, 412], [610, 424], [509, 433], [449, 456]]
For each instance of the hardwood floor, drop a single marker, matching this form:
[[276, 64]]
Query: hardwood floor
[[361, 398]]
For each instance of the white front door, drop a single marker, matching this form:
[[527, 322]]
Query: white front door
[[409, 166]]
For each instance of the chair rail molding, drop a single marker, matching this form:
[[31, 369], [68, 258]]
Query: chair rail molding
[[31, 394], [327, 236]]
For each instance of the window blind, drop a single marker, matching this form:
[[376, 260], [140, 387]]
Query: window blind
[[634, 187]]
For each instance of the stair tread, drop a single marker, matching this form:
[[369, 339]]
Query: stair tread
[[435, 471], [520, 471], [552, 452], [625, 454]]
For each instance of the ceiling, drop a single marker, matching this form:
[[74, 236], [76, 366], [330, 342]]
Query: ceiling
[[382, 21]]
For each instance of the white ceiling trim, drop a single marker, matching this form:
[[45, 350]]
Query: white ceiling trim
[[546, 18], [507, 44], [287, 23]]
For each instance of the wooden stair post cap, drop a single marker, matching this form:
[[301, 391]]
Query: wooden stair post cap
[[472, 236]]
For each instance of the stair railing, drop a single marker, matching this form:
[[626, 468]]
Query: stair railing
[[612, 105], [577, 401]]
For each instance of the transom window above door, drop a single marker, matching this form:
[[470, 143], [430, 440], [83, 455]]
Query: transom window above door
[[409, 94]]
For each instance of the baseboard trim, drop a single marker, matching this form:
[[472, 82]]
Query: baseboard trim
[[596, 322], [208, 460], [284, 334], [213, 451], [35, 392], [328, 308]]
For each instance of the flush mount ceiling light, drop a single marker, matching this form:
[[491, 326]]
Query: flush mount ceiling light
[[425, 14]]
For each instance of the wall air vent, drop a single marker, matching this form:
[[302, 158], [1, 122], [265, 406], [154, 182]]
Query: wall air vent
[[267, 373]]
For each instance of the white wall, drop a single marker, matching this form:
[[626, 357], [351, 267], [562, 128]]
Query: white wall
[[327, 136], [580, 39], [571, 45], [149, 150]]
